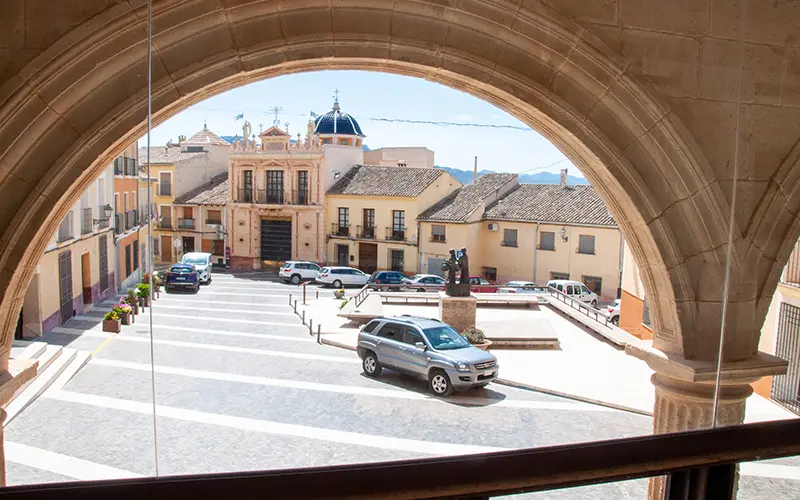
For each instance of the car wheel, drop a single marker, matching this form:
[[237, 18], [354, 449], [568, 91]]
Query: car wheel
[[196, 288], [594, 304], [295, 279], [615, 321], [337, 284], [372, 367], [422, 290], [440, 384]]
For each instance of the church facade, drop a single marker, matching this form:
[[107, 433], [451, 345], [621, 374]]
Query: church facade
[[276, 201]]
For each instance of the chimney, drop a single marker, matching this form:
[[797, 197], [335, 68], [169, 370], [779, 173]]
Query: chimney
[[475, 171], [181, 138], [563, 177]]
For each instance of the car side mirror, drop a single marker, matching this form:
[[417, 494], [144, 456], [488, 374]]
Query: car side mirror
[[421, 345]]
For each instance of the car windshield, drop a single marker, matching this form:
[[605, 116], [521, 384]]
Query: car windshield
[[444, 338], [324, 270], [195, 259], [180, 270]]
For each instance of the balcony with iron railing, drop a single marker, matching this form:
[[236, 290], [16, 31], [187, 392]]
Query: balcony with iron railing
[[366, 232], [185, 223], [214, 222], [396, 233], [86, 220], [65, 229], [301, 197], [119, 223], [341, 230], [270, 197], [791, 272]]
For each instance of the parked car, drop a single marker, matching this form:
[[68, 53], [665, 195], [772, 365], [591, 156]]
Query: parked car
[[387, 278], [427, 283], [201, 262], [481, 285], [576, 290], [425, 348], [295, 271], [523, 287], [340, 277], [613, 312], [182, 276]]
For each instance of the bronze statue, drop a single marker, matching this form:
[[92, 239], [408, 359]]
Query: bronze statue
[[450, 266], [463, 264]]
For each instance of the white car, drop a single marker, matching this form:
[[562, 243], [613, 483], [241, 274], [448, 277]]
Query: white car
[[427, 282], [339, 277], [202, 262], [295, 271], [576, 290], [613, 312], [523, 287]]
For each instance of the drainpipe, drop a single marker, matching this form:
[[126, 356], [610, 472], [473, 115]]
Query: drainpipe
[[419, 249], [535, 251]]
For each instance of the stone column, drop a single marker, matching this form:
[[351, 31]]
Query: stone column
[[684, 392]]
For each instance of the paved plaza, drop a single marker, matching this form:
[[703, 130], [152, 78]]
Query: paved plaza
[[241, 385]]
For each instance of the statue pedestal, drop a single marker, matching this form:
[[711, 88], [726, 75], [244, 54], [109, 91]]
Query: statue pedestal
[[458, 312]]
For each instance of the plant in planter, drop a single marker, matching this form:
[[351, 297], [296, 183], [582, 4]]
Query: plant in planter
[[339, 294], [132, 300], [143, 292], [344, 303], [125, 313], [111, 322], [476, 337]]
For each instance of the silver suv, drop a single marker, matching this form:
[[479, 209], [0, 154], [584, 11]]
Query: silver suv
[[426, 348]]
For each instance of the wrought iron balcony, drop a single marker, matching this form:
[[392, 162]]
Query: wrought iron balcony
[[119, 224], [270, 196], [245, 196], [340, 230], [214, 222], [366, 232], [396, 233], [185, 223], [301, 197]]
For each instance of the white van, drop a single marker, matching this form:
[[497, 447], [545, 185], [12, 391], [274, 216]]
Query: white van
[[201, 262], [576, 290]]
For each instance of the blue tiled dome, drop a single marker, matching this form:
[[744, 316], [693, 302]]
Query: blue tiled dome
[[337, 122]]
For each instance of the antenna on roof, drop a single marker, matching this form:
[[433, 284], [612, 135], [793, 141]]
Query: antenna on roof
[[475, 171]]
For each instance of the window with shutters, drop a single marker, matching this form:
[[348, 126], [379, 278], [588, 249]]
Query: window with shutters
[[547, 240], [438, 233], [103, 258], [65, 284], [586, 244]]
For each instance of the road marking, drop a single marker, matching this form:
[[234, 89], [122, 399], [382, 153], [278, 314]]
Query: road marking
[[243, 350], [218, 302], [212, 309], [278, 428], [227, 320], [350, 389], [63, 465], [769, 470], [266, 336]]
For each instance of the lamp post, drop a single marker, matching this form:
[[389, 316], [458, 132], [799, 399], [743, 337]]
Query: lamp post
[[107, 211]]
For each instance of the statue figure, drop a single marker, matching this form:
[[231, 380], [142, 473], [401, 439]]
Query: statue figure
[[247, 128], [450, 266], [463, 264]]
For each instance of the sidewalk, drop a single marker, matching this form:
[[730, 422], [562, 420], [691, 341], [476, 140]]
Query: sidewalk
[[585, 368]]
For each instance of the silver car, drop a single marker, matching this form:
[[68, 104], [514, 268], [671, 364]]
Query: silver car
[[426, 348]]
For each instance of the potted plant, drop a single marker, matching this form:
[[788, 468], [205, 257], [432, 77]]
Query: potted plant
[[339, 294], [111, 322], [476, 337], [132, 300], [143, 291], [125, 313]]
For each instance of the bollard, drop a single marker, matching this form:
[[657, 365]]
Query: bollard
[[304, 293], [290, 299], [295, 307], [317, 293], [310, 326], [304, 317], [319, 330]]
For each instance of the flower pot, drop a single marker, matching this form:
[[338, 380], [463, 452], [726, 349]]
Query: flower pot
[[135, 307], [147, 301], [483, 345], [125, 318], [338, 294], [112, 325]]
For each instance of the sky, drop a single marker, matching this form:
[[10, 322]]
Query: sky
[[368, 97]]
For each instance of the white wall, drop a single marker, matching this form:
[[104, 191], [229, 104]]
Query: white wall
[[341, 158], [418, 157]]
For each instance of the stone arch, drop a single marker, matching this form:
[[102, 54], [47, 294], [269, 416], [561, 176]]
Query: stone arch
[[85, 97]]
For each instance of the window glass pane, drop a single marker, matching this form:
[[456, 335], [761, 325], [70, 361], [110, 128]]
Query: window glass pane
[[547, 240], [586, 244]]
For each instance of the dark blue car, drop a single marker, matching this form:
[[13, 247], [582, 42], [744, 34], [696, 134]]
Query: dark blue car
[[182, 276]]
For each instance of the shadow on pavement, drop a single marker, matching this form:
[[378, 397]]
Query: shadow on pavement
[[477, 397]]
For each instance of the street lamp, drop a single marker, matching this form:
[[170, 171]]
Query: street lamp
[[563, 233], [107, 211]]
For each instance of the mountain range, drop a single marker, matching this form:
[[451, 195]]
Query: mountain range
[[465, 177]]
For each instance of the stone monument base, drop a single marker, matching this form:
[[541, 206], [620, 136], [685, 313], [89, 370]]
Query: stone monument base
[[458, 312]]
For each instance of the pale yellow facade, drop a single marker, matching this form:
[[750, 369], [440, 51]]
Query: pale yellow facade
[[526, 261], [386, 239]]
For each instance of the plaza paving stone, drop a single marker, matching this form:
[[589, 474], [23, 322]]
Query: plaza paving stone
[[251, 402]]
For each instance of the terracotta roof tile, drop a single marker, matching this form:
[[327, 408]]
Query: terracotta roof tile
[[205, 137], [370, 180], [165, 155], [552, 203], [214, 193], [459, 205]]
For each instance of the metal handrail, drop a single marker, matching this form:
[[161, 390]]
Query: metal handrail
[[361, 296], [473, 476], [581, 307]]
